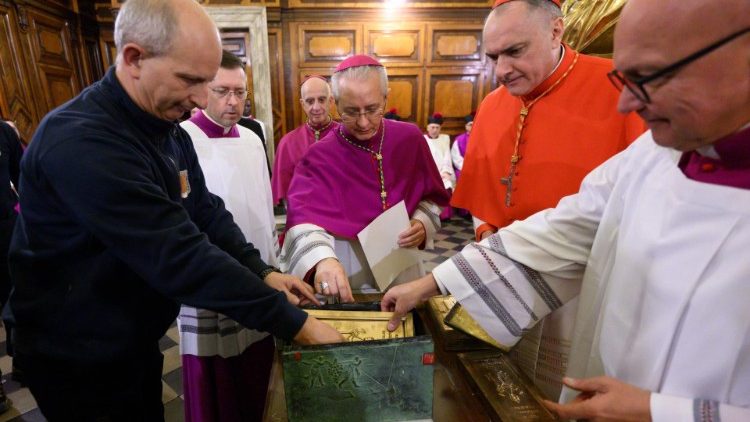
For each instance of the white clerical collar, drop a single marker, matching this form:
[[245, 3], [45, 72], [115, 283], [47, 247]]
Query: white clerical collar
[[224, 128], [562, 56]]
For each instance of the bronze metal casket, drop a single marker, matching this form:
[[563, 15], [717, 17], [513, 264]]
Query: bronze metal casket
[[375, 376]]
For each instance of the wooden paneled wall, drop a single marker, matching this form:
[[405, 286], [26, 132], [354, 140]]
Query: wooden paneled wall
[[45, 58], [50, 50], [433, 57]]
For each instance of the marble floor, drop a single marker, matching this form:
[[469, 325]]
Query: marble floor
[[452, 237]]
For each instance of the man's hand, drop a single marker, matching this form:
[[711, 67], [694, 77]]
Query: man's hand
[[414, 236], [315, 332], [297, 291], [403, 298], [604, 399], [331, 280], [487, 233]]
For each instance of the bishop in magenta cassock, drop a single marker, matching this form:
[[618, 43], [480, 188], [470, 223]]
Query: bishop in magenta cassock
[[351, 176], [316, 100]]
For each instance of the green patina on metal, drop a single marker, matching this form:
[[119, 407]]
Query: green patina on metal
[[381, 380]]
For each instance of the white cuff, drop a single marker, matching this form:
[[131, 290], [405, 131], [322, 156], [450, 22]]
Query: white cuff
[[670, 408]]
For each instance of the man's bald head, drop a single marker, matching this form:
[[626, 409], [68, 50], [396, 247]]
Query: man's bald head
[[156, 24], [168, 51], [316, 99], [314, 84], [523, 39], [703, 100]]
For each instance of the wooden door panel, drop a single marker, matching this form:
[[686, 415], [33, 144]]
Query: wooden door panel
[[406, 93], [276, 63], [107, 47], [94, 55], [454, 92], [320, 45], [15, 92], [237, 42], [455, 44], [52, 59], [59, 85], [395, 44]]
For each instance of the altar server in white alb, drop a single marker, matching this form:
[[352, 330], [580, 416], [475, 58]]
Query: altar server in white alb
[[655, 244], [225, 365]]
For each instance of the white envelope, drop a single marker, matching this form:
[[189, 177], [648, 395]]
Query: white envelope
[[379, 241]]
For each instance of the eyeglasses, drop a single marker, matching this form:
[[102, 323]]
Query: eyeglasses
[[636, 86], [370, 114], [241, 94]]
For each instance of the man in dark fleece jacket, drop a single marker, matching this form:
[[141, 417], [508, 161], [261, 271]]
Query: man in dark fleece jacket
[[117, 229]]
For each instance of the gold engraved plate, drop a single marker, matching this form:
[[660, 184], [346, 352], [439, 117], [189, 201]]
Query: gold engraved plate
[[364, 325], [439, 307], [505, 391], [459, 318]]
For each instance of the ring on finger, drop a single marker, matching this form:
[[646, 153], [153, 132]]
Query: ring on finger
[[323, 285]]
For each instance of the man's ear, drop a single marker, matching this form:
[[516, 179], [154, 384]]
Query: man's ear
[[558, 28], [132, 56]]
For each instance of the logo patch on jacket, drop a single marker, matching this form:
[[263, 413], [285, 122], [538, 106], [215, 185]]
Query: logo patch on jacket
[[184, 184]]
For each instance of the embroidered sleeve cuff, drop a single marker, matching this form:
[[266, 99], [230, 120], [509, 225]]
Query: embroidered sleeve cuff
[[305, 245], [429, 214]]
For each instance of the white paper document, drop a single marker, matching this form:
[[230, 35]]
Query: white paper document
[[379, 241]]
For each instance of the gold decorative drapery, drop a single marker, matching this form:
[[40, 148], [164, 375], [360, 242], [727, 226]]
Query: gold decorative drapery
[[590, 24]]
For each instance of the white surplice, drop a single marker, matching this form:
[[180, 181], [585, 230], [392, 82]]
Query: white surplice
[[306, 244], [659, 265], [440, 149], [235, 170]]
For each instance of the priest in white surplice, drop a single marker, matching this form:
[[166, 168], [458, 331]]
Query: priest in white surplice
[[654, 245], [226, 366]]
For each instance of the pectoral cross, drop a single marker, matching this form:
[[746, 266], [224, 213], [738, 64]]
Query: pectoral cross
[[317, 135], [508, 181]]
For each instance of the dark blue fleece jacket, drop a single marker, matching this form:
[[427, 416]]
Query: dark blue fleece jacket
[[107, 246]]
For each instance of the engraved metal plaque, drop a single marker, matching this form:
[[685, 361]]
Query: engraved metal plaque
[[364, 325], [508, 395], [375, 376], [459, 318]]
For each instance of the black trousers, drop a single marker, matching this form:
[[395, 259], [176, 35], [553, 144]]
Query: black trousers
[[6, 231], [128, 390]]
